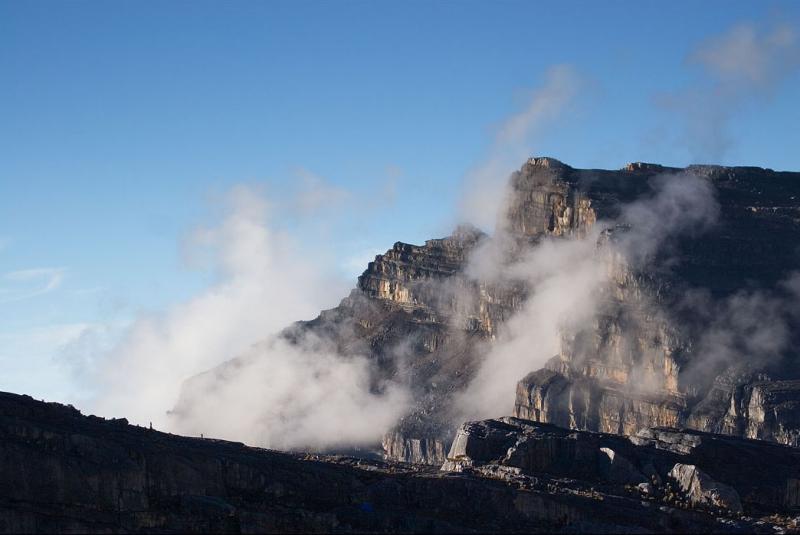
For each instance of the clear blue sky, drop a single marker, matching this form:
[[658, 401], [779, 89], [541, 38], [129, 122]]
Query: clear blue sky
[[120, 122]]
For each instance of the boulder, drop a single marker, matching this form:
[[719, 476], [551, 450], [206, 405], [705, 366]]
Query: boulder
[[702, 490]]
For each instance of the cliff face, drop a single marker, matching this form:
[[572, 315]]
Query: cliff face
[[63, 472], [637, 366], [425, 320]]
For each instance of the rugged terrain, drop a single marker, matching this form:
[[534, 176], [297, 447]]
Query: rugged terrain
[[63, 472], [424, 321]]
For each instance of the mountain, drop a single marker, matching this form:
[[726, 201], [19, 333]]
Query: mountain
[[685, 313], [641, 325]]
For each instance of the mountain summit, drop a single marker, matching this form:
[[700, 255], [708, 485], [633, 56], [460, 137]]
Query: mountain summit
[[615, 300]]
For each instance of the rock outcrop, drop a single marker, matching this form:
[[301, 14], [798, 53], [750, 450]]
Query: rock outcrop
[[685, 468], [703, 491]]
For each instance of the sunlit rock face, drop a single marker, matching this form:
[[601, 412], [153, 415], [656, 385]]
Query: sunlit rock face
[[428, 282], [620, 373]]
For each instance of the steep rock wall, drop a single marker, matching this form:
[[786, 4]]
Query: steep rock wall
[[627, 371]]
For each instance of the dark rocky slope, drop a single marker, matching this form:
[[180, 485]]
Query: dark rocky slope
[[63, 472], [686, 468]]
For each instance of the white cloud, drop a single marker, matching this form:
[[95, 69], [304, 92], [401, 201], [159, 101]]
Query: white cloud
[[27, 283], [274, 393], [562, 277], [740, 67], [291, 396], [265, 282]]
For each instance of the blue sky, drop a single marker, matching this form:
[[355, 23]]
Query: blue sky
[[122, 124]]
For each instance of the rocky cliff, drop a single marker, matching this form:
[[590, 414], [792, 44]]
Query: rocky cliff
[[63, 472], [426, 320], [644, 361]]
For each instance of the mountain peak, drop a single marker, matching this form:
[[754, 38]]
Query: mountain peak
[[546, 162]]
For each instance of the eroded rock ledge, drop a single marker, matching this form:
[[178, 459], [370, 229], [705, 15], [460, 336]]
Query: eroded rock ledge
[[690, 470]]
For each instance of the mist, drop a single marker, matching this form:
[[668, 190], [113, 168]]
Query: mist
[[568, 278], [290, 395], [276, 393], [755, 328], [561, 277]]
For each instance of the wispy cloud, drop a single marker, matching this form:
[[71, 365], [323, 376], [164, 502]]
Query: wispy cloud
[[750, 55], [316, 193], [27, 359], [742, 66], [560, 87], [28, 283]]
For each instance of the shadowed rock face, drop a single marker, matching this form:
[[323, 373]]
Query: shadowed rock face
[[63, 472], [425, 323]]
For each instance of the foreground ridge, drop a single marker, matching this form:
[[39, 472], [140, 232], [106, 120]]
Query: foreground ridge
[[66, 472]]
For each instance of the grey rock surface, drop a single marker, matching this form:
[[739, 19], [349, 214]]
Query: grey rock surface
[[690, 469]]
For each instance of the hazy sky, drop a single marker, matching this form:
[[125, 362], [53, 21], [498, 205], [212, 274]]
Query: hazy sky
[[123, 124]]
